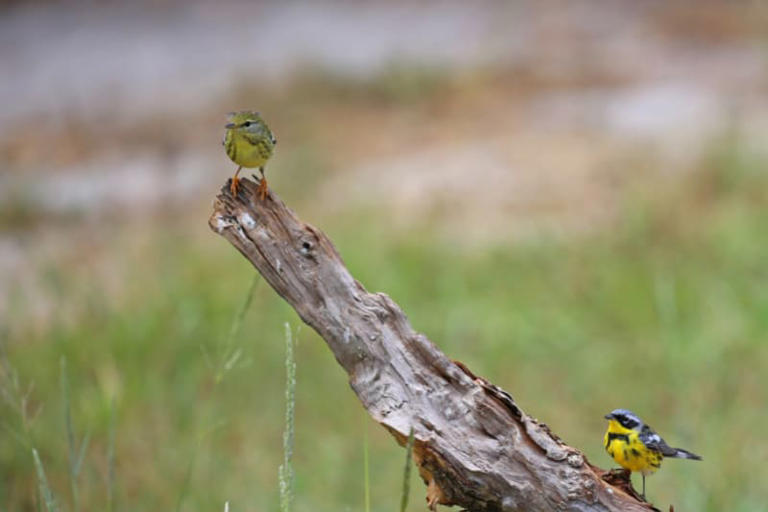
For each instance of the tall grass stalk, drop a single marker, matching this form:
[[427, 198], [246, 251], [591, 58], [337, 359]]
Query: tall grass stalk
[[227, 357], [230, 354], [75, 456], [18, 401], [285, 473], [42, 481], [16, 398], [366, 467], [407, 472], [111, 458]]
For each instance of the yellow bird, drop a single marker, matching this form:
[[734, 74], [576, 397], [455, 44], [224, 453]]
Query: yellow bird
[[249, 143], [636, 446]]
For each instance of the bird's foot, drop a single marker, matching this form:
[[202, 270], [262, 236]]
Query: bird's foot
[[262, 190], [233, 186]]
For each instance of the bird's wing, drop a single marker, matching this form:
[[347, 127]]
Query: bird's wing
[[653, 441]]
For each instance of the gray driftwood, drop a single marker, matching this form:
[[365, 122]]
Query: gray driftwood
[[474, 447]]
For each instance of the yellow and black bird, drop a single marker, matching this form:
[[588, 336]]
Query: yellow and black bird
[[636, 446]]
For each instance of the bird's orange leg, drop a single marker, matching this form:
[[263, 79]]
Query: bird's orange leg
[[262, 190], [233, 185]]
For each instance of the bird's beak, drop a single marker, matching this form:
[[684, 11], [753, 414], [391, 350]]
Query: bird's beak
[[609, 416], [229, 126]]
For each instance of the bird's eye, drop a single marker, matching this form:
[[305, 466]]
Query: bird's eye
[[247, 124]]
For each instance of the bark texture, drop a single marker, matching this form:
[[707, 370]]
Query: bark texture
[[474, 447]]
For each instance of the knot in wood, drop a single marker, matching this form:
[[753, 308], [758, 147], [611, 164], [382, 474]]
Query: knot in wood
[[575, 460], [307, 243]]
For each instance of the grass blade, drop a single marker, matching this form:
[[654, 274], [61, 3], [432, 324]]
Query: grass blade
[[366, 467], [11, 392], [18, 400], [285, 472], [111, 458], [238, 321], [75, 455], [81, 454], [42, 481], [227, 357], [230, 355], [407, 472]]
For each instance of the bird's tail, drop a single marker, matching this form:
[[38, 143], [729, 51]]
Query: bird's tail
[[684, 454]]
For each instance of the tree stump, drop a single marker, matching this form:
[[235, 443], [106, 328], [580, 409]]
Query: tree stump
[[474, 447]]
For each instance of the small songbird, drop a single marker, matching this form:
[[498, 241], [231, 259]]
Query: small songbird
[[635, 445], [249, 143]]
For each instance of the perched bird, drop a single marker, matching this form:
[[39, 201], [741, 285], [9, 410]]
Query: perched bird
[[635, 445], [249, 143]]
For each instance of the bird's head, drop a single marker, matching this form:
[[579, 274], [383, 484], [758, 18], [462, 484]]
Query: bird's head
[[245, 121], [625, 418]]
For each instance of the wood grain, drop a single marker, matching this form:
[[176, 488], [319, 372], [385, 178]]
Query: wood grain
[[474, 446]]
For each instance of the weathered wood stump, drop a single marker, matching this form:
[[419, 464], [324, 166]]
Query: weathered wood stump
[[474, 446]]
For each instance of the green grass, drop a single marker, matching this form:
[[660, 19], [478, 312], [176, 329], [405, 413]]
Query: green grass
[[665, 313], [407, 472], [286, 473], [44, 489]]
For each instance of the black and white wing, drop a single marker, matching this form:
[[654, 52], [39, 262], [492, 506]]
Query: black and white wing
[[654, 442]]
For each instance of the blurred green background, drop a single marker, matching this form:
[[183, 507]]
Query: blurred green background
[[572, 199]]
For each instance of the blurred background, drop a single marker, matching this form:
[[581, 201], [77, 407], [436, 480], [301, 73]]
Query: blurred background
[[569, 197]]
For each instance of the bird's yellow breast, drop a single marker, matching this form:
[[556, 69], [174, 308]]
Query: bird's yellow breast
[[625, 447], [247, 151]]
